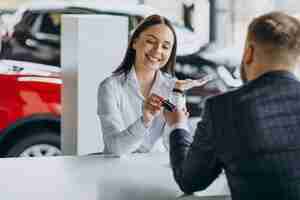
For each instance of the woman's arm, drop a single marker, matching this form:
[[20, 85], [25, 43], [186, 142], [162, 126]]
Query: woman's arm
[[117, 138]]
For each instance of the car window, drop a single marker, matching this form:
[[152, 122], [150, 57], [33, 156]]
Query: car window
[[26, 22], [134, 21], [29, 18], [51, 23]]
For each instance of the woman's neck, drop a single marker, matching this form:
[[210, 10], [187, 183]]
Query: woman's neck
[[146, 80]]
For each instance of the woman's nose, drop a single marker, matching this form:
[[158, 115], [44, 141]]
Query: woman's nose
[[157, 48]]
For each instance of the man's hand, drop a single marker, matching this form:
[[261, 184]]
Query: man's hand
[[179, 116]]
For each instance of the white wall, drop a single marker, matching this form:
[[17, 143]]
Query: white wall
[[92, 47]]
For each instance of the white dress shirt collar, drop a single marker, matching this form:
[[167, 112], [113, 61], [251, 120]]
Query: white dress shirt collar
[[162, 86]]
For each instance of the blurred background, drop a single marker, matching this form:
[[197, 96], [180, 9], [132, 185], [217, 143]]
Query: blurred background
[[230, 17], [211, 35]]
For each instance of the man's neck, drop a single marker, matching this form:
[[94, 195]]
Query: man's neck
[[263, 69]]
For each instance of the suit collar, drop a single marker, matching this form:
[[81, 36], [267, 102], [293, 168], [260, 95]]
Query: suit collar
[[280, 73]]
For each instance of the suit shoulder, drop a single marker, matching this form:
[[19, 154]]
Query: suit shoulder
[[221, 98]]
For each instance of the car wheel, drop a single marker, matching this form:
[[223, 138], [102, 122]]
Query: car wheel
[[38, 145]]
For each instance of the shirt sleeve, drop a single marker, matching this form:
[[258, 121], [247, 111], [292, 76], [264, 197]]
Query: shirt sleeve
[[181, 100], [117, 138], [194, 161], [180, 125]]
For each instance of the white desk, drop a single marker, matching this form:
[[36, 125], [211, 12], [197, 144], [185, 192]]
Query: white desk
[[95, 177]]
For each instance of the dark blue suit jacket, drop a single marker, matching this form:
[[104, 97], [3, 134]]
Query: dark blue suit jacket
[[253, 133]]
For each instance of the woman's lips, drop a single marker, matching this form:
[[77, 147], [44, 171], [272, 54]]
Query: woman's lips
[[152, 59]]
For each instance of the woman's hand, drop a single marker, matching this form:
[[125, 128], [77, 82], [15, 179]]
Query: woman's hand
[[152, 107], [190, 83]]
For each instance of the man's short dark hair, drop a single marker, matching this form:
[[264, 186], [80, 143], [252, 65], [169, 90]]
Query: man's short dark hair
[[277, 31]]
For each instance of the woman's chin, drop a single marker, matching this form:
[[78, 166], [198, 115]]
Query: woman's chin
[[153, 67]]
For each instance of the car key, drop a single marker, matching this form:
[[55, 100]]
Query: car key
[[168, 106]]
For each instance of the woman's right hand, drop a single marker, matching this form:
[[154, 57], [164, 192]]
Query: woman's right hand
[[152, 107]]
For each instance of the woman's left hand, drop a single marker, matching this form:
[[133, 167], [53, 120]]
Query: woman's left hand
[[186, 84]]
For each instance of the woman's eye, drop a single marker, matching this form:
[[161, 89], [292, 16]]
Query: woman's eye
[[150, 41], [166, 47]]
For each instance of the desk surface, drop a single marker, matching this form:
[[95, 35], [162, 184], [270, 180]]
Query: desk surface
[[96, 177]]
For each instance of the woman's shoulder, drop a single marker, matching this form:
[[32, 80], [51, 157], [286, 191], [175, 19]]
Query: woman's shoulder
[[168, 77], [169, 80], [110, 86], [112, 81]]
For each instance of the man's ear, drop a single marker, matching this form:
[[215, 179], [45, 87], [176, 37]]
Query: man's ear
[[249, 55]]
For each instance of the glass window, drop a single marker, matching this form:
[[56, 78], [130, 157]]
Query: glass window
[[51, 23]]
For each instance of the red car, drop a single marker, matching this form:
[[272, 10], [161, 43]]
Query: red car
[[30, 108]]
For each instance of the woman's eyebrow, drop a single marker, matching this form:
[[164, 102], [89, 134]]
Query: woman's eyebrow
[[153, 36]]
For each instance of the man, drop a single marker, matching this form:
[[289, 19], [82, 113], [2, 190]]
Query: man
[[252, 133]]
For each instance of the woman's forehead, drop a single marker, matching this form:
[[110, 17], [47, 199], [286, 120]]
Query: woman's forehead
[[159, 31]]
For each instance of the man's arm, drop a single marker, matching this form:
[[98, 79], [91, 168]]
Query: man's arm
[[194, 162]]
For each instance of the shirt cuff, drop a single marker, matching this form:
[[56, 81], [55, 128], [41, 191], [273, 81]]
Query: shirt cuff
[[180, 125], [143, 122], [138, 128]]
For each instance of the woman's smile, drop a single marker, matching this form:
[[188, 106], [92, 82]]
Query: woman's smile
[[153, 47], [153, 59]]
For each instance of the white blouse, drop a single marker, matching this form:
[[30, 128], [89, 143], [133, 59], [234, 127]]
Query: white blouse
[[120, 110]]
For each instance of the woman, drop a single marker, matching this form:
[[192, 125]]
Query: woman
[[128, 106]]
